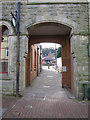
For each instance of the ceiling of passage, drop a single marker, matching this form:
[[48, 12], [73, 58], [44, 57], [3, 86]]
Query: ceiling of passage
[[49, 29]]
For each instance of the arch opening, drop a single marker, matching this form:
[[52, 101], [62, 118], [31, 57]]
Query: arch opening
[[49, 28], [53, 33], [4, 31]]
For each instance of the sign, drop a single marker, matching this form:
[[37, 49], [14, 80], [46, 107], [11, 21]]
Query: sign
[[64, 68]]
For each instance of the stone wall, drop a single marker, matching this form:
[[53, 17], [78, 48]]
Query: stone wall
[[73, 15], [7, 87], [79, 45]]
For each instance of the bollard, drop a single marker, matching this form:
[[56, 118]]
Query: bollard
[[85, 91], [48, 67]]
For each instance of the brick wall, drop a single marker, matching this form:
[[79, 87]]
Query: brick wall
[[33, 63]]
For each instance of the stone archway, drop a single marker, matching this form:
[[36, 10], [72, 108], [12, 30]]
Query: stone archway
[[5, 49], [55, 33], [9, 35], [8, 25]]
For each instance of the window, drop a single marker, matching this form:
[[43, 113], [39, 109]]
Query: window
[[4, 67], [4, 49], [6, 52]]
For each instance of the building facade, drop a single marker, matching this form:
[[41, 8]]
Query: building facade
[[63, 22]]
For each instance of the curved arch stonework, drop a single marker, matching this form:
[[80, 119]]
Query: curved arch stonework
[[12, 49], [8, 25], [61, 20]]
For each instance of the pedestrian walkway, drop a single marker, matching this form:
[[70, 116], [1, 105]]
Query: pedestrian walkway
[[48, 83], [47, 99]]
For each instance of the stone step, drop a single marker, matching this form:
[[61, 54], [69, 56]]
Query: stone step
[[4, 77], [6, 86]]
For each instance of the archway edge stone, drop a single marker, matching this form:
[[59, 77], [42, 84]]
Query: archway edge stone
[[29, 24], [8, 25]]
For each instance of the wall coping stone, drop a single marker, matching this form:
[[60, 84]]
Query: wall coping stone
[[47, 1], [57, 1]]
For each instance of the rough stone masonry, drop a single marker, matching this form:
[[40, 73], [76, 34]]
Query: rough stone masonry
[[74, 13]]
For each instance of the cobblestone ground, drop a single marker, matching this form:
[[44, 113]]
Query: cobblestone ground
[[47, 99]]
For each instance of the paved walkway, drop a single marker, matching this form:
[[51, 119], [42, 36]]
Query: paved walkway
[[46, 99], [48, 83]]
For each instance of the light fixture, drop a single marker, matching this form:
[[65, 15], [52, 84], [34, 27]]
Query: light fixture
[[14, 18], [13, 22]]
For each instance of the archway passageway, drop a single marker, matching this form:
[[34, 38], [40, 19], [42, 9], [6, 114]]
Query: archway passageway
[[48, 83], [64, 22], [55, 33]]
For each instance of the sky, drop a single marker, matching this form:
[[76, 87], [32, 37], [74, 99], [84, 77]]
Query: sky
[[49, 45]]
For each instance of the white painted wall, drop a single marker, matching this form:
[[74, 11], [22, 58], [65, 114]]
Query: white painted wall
[[59, 64]]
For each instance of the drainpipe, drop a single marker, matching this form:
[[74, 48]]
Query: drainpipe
[[88, 39], [18, 51]]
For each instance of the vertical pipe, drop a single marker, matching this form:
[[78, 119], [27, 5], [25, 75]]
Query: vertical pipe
[[18, 51], [18, 27]]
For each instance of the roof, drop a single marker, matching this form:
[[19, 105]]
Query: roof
[[48, 59]]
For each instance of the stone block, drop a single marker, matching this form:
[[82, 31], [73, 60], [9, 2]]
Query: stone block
[[6, 86]]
